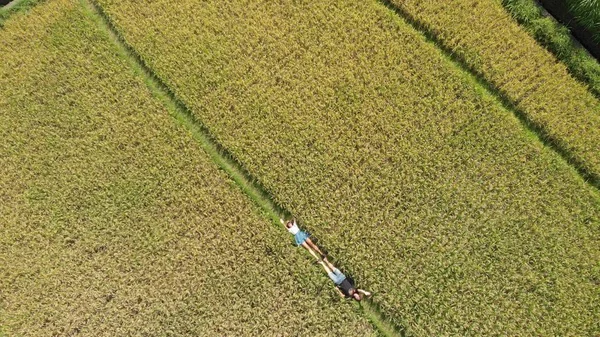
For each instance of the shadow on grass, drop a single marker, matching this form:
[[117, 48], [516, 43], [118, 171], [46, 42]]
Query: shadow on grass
[[540, 132]]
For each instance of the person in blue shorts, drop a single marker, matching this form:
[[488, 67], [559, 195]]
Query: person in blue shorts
[[344, 286], [303, 239]]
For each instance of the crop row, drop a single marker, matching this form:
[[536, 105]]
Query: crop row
[[491, 43], [426, 190], [556, 38], [114, 222]]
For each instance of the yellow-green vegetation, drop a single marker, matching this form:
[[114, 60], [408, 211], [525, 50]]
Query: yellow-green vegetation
[[114, 222], [15, 7], [484, 36], [415, 178], [556, 38]]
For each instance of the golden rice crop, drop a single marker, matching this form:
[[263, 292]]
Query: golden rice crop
[[16, 7], [493, 45], [114, 222], [422, 186]]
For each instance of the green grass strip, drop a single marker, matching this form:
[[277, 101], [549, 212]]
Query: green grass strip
[[542, 134], [218, 153], [224, 160], [371, 310]]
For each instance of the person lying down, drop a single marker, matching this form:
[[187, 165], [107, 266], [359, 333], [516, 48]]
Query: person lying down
[[303, 239], [343, 285]]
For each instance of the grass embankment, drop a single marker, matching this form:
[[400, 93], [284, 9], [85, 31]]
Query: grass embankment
[[483, 36], [587, 14], [425, 188], [113, 221], [15, 7], [557, 39]]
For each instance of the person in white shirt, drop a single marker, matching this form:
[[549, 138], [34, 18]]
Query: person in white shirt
[[302, 238]]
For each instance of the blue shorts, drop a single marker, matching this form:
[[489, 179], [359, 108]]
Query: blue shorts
[[336, 276], [300, 237]]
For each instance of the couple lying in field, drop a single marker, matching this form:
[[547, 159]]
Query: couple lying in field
[[342, 284]]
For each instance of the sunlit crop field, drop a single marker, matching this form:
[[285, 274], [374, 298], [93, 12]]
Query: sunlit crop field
[[416, 178], [482, 33], [113, 221], [412, 174]]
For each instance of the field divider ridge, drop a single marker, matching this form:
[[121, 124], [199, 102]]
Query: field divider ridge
[[218, 153], [15, 7], [539, 131]]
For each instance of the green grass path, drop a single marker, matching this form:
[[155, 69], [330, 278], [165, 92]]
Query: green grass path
[[482, 38], [426, 187], [115, 221], [217, 153]]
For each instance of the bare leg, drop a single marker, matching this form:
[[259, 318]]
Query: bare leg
[[312, 252], [331, 266], [315, 247], [326, 267]]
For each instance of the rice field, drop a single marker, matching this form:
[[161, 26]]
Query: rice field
[[16, 6], [421, 183], [114, 222], [412, 174], [484, 36]]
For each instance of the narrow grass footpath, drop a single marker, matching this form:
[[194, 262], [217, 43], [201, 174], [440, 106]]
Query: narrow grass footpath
[[543, 135], [218, 154]]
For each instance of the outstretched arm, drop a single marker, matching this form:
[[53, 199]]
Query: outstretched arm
[[364, 292], [341, 293]]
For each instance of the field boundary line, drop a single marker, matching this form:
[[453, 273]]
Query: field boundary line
[[574, 68], [11, 4], [218, 153], [16, 6], [539, 131]]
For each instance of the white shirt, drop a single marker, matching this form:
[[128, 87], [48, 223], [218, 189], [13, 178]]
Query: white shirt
[[294, 229]]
